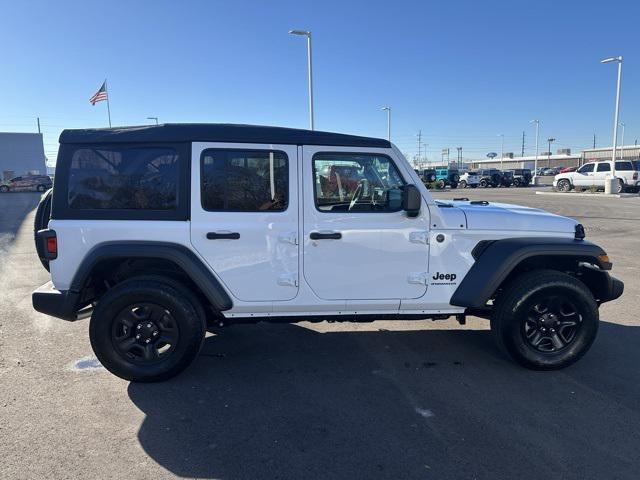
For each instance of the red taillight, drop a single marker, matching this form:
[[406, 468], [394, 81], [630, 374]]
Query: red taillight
[[52, 245]]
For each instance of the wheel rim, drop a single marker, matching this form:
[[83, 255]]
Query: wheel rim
[[144, 333], [551, 324]]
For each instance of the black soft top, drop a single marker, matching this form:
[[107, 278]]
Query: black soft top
[[217, 132]]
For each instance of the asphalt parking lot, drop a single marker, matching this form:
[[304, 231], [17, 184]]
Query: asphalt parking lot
[[387, 400]]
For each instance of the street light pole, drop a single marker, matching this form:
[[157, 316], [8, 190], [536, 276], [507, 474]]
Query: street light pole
[[535, 165], [388, 110], [622, 142], [616, 120], [153, 118], [501, 150], [304, 33]]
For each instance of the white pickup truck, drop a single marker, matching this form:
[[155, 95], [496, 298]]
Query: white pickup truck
[[594, 174]]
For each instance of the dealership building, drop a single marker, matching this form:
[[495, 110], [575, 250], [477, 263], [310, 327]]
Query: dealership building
[[21, 154], [562, 158]]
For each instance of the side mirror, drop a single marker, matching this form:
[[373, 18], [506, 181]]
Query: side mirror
[[411, 200]]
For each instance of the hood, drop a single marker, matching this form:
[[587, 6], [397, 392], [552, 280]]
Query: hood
[[504, 216]]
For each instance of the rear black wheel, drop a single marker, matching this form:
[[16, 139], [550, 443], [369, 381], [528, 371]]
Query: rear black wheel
[[463, 184], [4, 188], [147, 329], [484, 183], [547, 320]]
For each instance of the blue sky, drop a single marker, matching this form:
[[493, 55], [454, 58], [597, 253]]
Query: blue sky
[[461, 71]]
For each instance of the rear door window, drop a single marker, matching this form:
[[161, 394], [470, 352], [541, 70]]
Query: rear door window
[[244, 180], [603, 167]]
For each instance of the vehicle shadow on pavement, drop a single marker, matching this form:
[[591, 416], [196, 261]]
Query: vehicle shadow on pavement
[[14, 208], [283, 401]]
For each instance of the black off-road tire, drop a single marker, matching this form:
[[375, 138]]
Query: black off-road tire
[[40, 222], [184, 310], [512, 316], [462, 184], [484, 183], [4, 188]]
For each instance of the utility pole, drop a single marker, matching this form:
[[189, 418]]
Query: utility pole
[[39, 125], [419, 144], [522, 144], [594, 140], [550, 140]]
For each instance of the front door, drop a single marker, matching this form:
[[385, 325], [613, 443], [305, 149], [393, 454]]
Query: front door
[[583, 177], [358, 243], [244, 217]]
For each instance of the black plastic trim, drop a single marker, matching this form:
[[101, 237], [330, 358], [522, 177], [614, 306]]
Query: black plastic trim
[[498, 260], [197, 271], [61, 304]]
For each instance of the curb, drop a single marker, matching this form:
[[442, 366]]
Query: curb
[[590, 195]]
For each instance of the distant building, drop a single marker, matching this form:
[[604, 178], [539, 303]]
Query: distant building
[[545, 160], [628, 152], [20, 154]]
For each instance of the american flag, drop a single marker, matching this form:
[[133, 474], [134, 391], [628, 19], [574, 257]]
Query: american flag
[[100, 95]]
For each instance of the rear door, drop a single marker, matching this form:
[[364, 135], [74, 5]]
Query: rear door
[[358, 243], [244, 217], [603, 170]]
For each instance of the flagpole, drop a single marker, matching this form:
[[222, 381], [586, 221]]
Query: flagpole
[[106, 89]]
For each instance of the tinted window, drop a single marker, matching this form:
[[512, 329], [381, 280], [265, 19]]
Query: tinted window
[[624, 166], [121, 178], [244, 180], [356, 183], [603, 167], [588, 167]]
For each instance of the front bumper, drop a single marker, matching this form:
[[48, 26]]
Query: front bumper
[[61, 304], [615, 289]]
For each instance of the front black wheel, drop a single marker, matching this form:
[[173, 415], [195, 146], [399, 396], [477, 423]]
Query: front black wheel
[[147, 329], [547, 320]]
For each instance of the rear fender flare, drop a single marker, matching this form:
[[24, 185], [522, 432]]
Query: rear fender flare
[[178, 254]]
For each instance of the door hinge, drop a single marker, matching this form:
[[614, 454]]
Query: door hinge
[[421, 236], [288, 280], [418, 278], [290, 237]]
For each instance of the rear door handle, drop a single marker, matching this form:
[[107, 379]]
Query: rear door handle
[[325, 235], [223, 236]]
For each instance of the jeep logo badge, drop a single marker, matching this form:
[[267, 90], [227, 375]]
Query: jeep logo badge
[[444, 276]]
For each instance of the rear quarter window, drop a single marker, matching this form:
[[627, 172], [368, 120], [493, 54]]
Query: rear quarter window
[[123, 178], [625, 166]]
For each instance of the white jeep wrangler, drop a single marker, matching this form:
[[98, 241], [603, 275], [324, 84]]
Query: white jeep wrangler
[[158, 233]]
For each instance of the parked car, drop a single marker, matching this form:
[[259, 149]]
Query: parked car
[[469, 179], [447, 176], [39, 183], [491, 177], [568, 169], [159, 233], [507, 178], [428, 175], [521, 177], [550, 171], [594, 175]]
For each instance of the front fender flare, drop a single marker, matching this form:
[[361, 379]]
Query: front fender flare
[[495, 260]]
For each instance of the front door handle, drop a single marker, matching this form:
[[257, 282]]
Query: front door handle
[[325, 235], [223, 236]]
